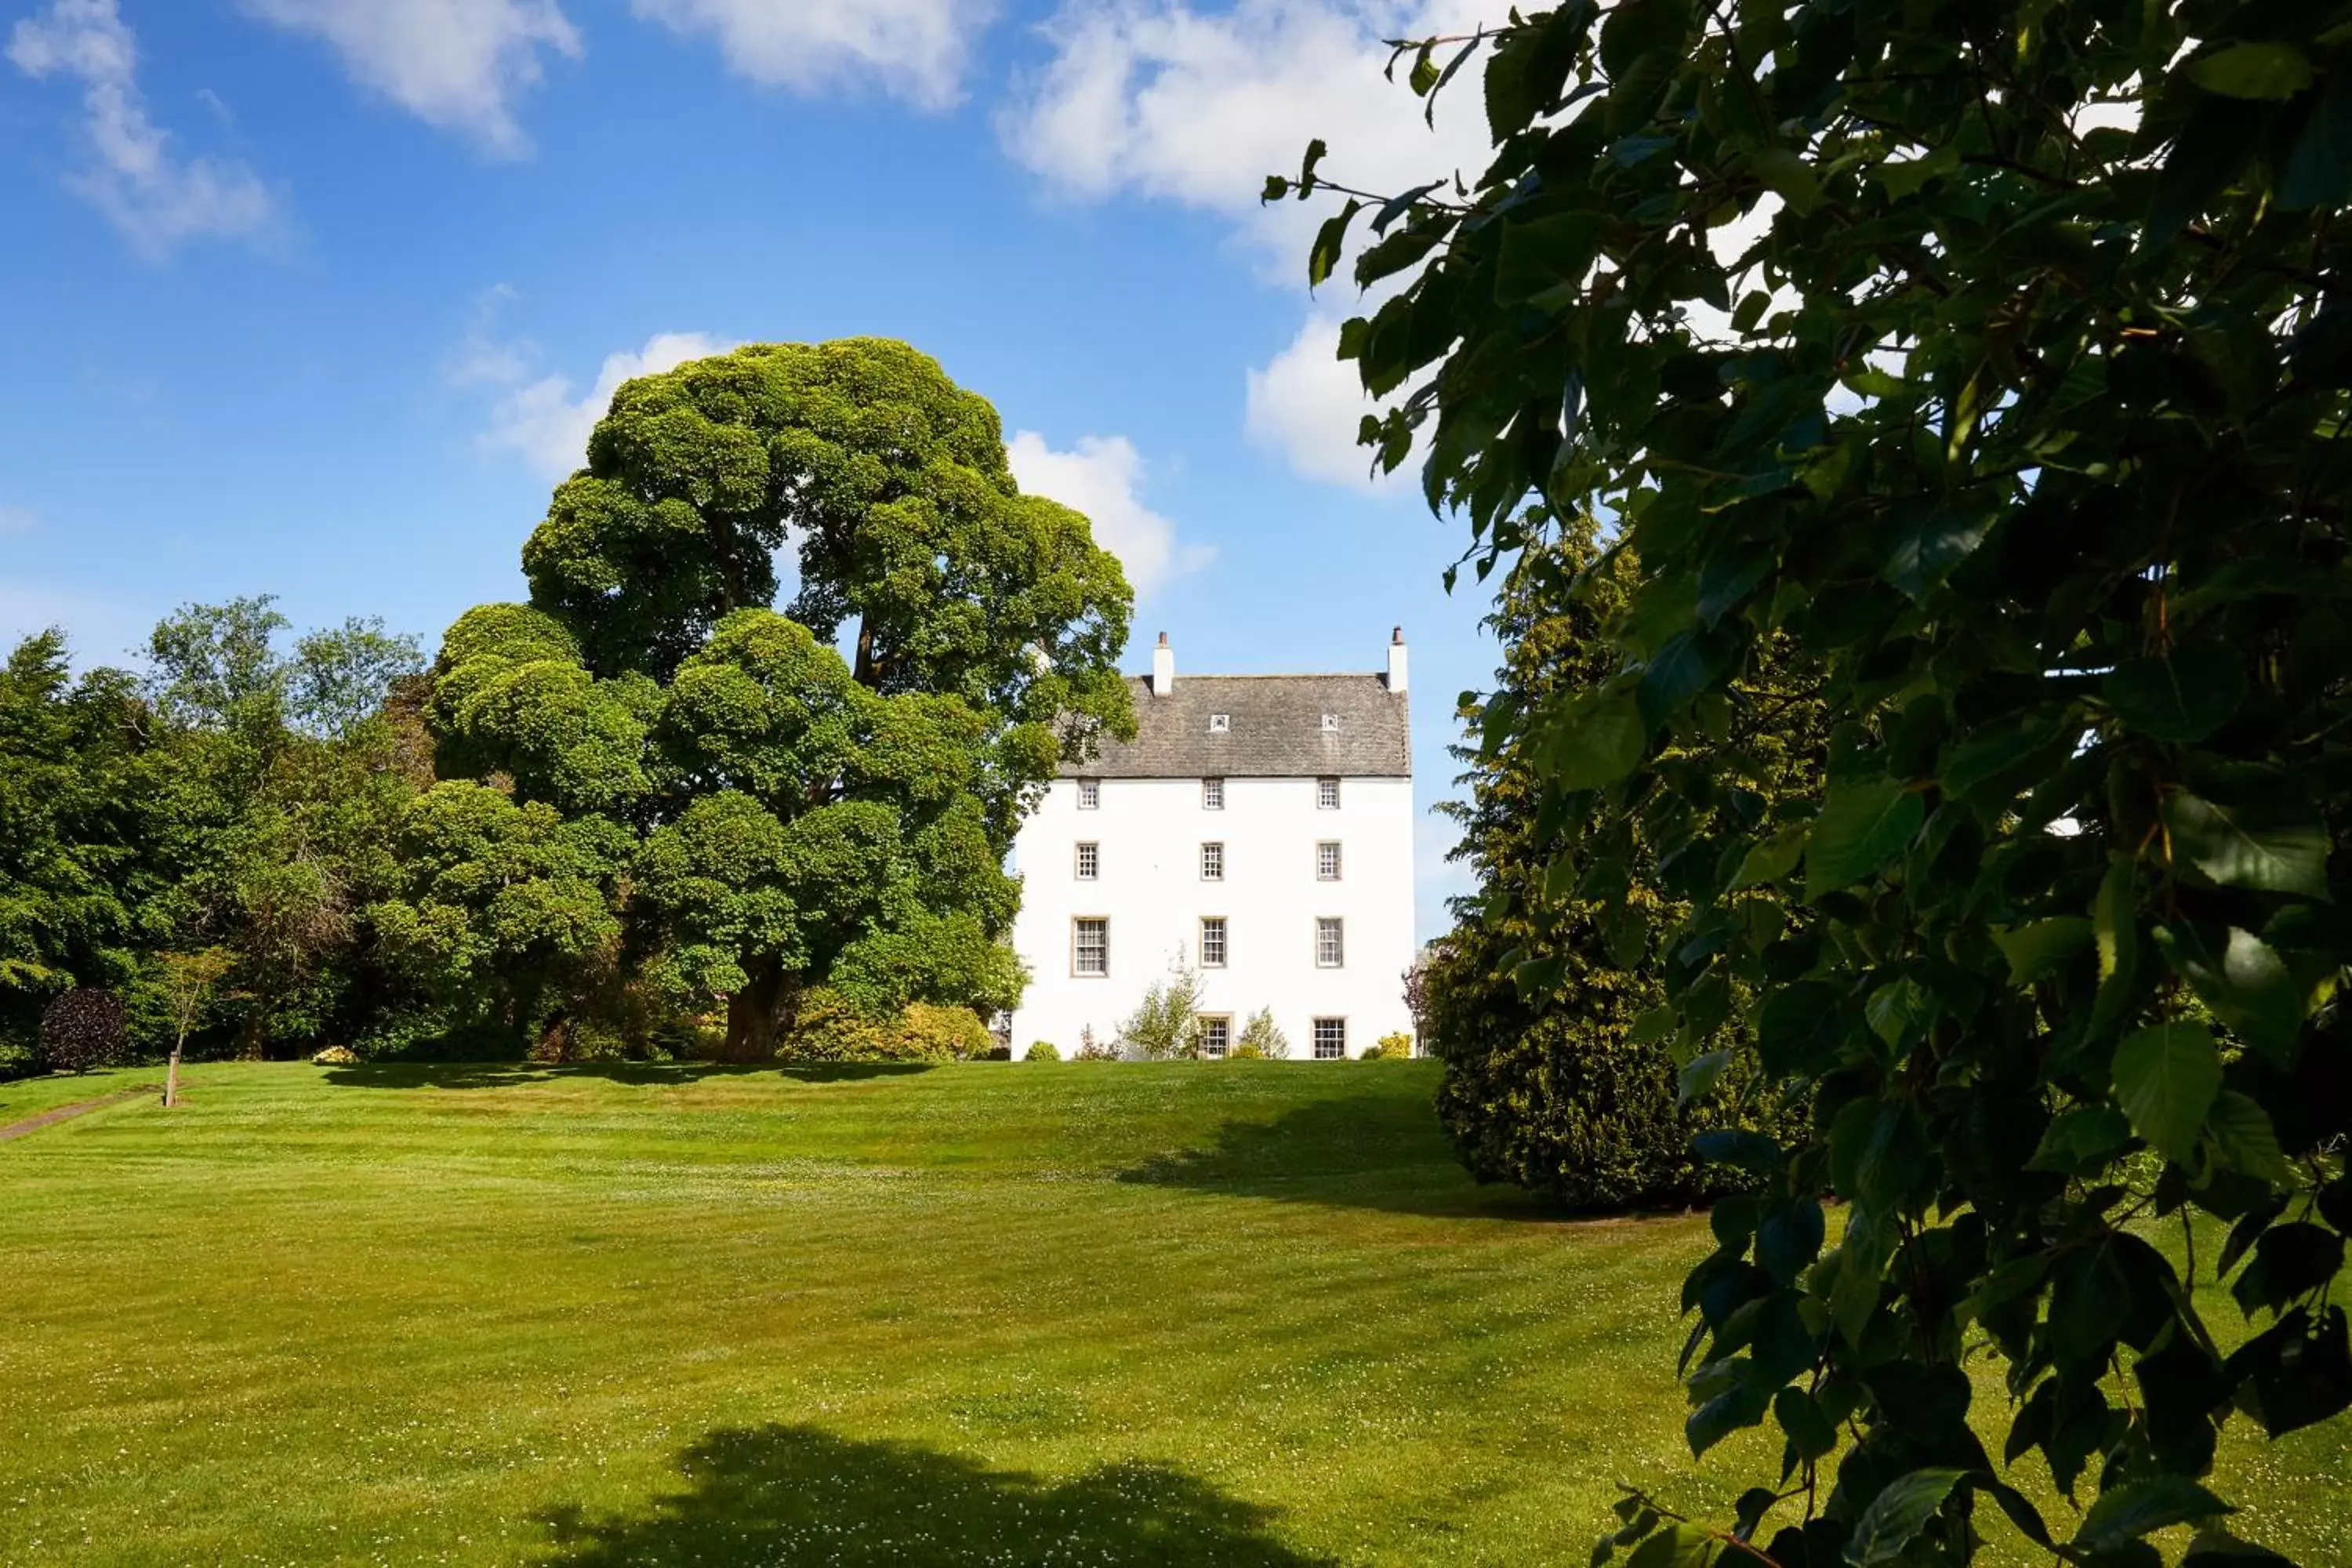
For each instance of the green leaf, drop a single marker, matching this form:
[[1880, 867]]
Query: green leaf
[[2271, 851], [2185, 696], [1926, 547], [2081, 1141], [1811, 1431], [1329, 241], [1602, 741], [1774, 857], [2249, 1144], [2127, 1512], [1788, 175], [1537, 256], [2166, 1078], [2246, 983], [1654, 1025], [1697, 1079], [2114, 921], [2318, 171], [2290, 1260], [1862, 826], [1896, 1008], [2040, 948], [2254, 70], [1900, 1510]]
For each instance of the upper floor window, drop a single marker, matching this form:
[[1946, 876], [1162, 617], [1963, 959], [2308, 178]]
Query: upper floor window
[[1212, 795], [1326, 860], [1090, 793], [1090, 945], [1327, 793], [1213, 942], [1212, 862], [1219, 723], [1330, 724], [1330, 943], [1089, 862], [1330, 1039]]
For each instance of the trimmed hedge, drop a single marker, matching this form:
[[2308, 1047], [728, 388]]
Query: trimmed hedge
[[830, 1030]]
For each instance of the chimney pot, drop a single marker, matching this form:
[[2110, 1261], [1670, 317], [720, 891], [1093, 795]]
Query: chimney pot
[[1163, 639], [1396, 635]]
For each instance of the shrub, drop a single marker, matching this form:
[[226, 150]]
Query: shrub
[[1166, 1024], [335, 1057], [1245, 1052], [997, 1054], [1044, 1051], [1091, 1050], [1261, 1037], [828, 1029], [1391, 1046], [83, 1028]]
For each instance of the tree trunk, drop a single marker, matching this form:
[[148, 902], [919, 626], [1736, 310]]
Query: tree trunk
[[172, 1076], [759, 1015]]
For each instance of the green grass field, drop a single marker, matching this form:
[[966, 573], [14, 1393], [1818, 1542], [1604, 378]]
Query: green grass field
[[1054, 1314]]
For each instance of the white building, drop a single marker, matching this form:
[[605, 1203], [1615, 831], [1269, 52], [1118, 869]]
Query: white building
[[1258, 827]]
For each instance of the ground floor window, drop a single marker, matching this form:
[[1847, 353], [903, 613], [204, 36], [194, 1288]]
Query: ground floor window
[[1216, 1037], [1089, 946], [1330, 1039]]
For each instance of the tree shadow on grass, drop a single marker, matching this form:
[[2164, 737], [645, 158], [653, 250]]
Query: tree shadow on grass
[[781, 1494], [511, 1075], [1384, 1154]]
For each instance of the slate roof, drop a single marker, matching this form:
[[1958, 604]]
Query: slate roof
[[1274, 730]]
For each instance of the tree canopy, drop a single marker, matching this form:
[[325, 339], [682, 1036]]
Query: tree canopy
[[1991, 356], [799, 817]]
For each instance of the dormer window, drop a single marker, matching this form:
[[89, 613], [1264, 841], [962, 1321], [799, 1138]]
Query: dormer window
[[1330, 724], [1220, 723]]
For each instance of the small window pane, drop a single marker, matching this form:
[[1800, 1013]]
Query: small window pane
[[1090, 946], [1330, 724], [1327, 793], [1327, 861], [1213, 942], [1090, 793], [1216, 1036], [1212, 862], [1330, 1039], [1212, 794], [1330, 946], [1219, 723], [1089, 862]]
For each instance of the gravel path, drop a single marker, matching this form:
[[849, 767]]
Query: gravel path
[[65, 1112]]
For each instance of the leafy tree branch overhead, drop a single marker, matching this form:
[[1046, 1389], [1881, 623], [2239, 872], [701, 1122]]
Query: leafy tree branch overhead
[[1984, 355]]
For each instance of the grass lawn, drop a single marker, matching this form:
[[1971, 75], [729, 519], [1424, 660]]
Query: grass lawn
[[1054, 1314]]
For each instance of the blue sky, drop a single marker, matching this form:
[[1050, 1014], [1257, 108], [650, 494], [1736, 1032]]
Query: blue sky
[[317, 297]]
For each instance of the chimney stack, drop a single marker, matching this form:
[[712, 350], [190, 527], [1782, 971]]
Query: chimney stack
[[1396, 662], [1163, 668]]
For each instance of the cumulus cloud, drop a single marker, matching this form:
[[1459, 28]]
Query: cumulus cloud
[[455, 63], [1167, 101], [1100, 477], [549, 421], [914, 49], [155, 198]]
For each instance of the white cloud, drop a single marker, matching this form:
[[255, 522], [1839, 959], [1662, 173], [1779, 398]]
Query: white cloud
[[1306, 405], [1165, 101], [155, 199], [1099, 477], [550, 427], [453, 64], [916, 49], [1198, 108]]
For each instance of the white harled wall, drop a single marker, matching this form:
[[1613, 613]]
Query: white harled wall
[[1150, 888]]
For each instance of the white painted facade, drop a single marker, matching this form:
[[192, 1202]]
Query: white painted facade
[[1148, 885]]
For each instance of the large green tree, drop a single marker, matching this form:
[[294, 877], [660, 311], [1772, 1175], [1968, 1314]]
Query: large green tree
[[1563, 1072], [801, 818], [70, 753], [1993, 354]]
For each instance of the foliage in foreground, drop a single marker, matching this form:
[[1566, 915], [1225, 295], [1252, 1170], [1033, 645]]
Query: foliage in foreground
[[1545, 1012], [2017, 407]]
